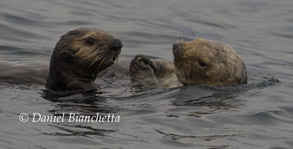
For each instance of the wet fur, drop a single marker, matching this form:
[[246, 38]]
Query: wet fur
[[153, 72], [75, 63], [24, 72], [224, 66]]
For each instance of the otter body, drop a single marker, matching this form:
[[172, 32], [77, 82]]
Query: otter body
[[198, 62], [24, 72], [79, 56]]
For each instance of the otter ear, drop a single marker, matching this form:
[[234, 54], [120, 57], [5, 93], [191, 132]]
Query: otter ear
[[66, 57]]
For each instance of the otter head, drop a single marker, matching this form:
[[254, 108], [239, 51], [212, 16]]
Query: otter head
[[207, 62], [79, 56]]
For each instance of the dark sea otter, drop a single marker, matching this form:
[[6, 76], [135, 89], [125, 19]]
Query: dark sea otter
[[198, 62], [79, 56]]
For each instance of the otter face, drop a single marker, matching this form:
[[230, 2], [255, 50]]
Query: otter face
[[207, 62], [89, 48], [79, 56]]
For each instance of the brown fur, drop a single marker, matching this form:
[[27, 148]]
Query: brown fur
[[78, 58], [222, 65], [196, 62]]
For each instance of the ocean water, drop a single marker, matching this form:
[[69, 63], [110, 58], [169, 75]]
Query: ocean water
[[256, 115]]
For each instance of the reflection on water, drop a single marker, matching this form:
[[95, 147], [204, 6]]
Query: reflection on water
[[256, 115]]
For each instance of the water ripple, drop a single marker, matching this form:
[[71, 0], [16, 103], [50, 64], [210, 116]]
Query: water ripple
[[255, 115]]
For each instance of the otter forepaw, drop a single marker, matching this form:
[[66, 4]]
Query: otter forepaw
[[142, 63], [142, 69]]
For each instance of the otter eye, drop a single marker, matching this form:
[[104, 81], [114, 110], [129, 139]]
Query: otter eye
[[90, 41], [202, 64]]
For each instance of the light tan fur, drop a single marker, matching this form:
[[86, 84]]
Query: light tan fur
[[224, 66], [197, 62]]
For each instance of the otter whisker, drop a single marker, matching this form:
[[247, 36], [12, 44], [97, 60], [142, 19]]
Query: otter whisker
[[188, 72], [101, 58], [98, 56], [116, 60], [110, 57], [105, 59], [179, 39], [92, 55]]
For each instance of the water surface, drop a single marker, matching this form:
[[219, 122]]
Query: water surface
[[258, 115]]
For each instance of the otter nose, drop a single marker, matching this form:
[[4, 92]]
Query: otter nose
[[177, 52], [116, 45]]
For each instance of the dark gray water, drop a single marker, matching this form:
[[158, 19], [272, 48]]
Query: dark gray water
[[258, 115]]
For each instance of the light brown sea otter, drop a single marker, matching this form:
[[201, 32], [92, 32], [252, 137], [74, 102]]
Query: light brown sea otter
[[198, 62], [79, 56]]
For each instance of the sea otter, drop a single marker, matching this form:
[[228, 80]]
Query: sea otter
[[79, 56], [198, 62]]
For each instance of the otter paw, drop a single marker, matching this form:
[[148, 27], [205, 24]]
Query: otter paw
[[142, 69], [142, 63]]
